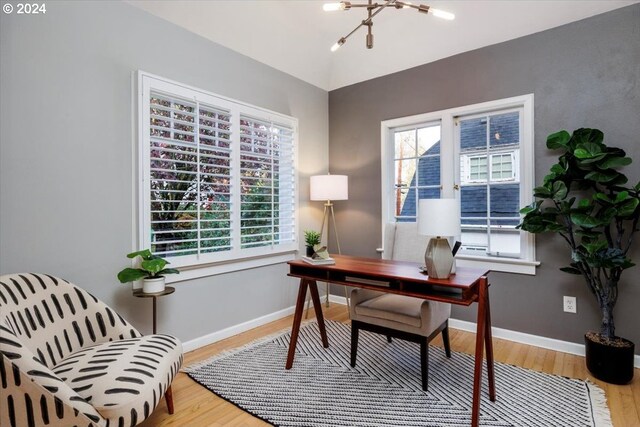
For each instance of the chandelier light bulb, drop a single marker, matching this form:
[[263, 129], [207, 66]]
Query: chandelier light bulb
[[332, 7], [442, 14], [337, 45]]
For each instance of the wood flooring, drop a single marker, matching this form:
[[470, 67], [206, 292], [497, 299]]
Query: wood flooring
[[195, 406]]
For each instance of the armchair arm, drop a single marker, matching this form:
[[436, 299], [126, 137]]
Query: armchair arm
[[31, 391], [358, 296], [434, 313]]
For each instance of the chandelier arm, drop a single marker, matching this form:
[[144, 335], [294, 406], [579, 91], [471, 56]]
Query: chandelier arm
[[368, 20]]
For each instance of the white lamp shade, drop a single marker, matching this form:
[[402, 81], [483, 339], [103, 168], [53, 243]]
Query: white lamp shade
[[438, 217], [329, 187]]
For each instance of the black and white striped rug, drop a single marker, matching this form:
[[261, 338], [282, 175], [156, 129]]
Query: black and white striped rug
[[384, 389]]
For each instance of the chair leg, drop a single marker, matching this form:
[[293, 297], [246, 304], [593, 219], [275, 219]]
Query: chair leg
[[445, 339], [168, 396], [388, 338], [424, 362], [354, 343]]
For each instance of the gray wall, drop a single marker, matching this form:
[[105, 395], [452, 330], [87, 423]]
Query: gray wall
[[584, 74], [66, 168]]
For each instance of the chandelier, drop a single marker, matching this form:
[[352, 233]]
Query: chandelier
[[373, 9]]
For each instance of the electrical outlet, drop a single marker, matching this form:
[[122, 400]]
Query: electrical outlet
[[570, 304]]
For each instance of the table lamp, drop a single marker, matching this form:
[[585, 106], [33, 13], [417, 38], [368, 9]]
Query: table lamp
[[439, 218]]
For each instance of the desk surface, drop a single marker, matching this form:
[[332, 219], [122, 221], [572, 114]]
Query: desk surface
[[397, 277]]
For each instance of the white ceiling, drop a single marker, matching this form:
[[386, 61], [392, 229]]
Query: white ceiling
[[294, 36]]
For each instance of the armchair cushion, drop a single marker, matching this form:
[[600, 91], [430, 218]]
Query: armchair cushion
[[123, 377], [412, 315]]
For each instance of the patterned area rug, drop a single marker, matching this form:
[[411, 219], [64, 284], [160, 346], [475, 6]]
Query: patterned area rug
[[384, 388]]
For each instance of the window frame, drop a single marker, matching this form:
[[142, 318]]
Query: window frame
[[450, 171], [194, 266]]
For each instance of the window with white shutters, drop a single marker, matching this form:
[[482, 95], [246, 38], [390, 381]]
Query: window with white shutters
[[218, 179], [266, 183]]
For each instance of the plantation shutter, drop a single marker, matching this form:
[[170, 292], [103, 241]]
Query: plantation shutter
[[267, 180], [189, 175]]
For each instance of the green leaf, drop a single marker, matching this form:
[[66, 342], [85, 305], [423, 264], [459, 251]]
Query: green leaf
[[583, 135], [584, 220], [595, 246], [571, 270], [558, 169], [131, 275], [168, 271], [602, 177], [559, 190], [145, 254], [530, 208], [542, 192], [621, 196], [558, 140], [614, 162], [588, 150], [153, 266], [628, 208], [584, 203]]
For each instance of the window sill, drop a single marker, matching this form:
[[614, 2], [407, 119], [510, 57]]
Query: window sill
[[505, 265], [222, 267]]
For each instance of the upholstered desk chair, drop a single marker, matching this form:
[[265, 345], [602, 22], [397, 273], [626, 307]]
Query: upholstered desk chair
[[399, 316], [69, 360]]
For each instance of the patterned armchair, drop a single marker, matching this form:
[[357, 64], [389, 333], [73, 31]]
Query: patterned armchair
[[70, 360]]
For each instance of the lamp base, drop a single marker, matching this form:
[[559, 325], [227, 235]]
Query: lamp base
[[438, 258]]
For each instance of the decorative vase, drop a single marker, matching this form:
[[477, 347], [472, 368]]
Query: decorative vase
[[607, 362], [310, 251], [153, 286], [136, 285]]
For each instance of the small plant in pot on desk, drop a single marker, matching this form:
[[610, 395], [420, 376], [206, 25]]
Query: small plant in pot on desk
[[152, 270], [586, 201], [311, 239]]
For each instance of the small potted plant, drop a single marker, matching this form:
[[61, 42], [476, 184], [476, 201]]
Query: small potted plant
[[152, 270], [311, 238]]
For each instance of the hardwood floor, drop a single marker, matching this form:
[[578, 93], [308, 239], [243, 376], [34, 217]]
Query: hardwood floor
[[195, 406]]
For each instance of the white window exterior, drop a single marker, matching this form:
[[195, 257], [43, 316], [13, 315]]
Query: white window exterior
[[486, 163], [217, 180]]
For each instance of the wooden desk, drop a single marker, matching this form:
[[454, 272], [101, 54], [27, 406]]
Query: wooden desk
[[403, 278]]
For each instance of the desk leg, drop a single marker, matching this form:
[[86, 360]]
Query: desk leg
[[317, 306], [488, 342], [480, 337], [297, 318]]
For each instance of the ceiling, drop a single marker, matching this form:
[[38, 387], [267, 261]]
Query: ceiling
[[294, 36]]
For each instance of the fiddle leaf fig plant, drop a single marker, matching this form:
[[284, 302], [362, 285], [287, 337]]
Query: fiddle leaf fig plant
[[152, 266], [585, 199]]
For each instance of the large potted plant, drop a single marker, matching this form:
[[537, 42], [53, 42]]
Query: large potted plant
[[585, 200], [151, 271]]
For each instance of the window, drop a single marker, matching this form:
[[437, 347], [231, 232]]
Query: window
[[473, 156], [417, 168], [218, 177]]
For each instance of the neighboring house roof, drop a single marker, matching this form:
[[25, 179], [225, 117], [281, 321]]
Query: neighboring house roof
[[504, 197]]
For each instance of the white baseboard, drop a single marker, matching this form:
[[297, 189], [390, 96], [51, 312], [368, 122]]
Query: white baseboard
[[534, 340], [235, 329], [505, 334], [520, 337]]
